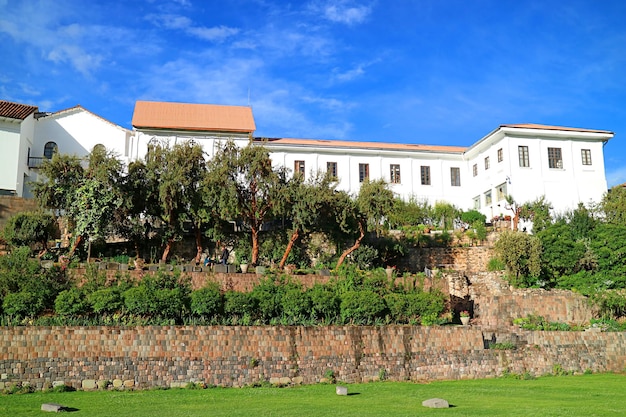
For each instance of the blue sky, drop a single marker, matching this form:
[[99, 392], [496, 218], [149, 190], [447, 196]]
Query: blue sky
[[428, 72]]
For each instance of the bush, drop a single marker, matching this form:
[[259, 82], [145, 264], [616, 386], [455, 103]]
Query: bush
[[207, 301], [473, 217], [365, 257], [70, 302], [22, 304], [137, 300], [361, 306], [296, 303], [106, 300], [324, 302], [239, 304], [268, 295], [495, 264]]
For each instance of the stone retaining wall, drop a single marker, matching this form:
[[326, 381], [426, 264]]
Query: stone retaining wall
[[142, 357]]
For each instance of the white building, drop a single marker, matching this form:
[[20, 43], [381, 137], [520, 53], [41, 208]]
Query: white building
[[526, 161]]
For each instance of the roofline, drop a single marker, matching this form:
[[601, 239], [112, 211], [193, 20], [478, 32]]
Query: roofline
[[79, 107], [327, 143]]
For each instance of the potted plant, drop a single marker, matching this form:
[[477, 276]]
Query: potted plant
[[243, 264], [465, 317]]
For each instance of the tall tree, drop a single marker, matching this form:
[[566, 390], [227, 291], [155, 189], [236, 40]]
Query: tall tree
[[614, 205], [306, 204], [29, 227], [368, 211], [250, 189], [175, 175]]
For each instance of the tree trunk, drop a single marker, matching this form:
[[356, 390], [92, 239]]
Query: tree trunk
[[354, 247], [199, 247], [166, 251], [255, 246], [77, 242], [294, 237]]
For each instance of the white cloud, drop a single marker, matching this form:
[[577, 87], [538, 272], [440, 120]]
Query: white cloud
[[616, 176], [343, 11], [185, 24]]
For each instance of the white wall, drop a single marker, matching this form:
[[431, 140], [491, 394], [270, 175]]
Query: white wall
[[9, 157]]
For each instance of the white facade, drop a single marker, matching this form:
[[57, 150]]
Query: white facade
[[524, 161]]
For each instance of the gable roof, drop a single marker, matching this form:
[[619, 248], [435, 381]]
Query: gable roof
[[197, 117], [548, 127], [77, 108], [16, 110], [363, 145]]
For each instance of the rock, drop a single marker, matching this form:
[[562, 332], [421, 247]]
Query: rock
[[341, 390], [435, 403], [89, 384], [55, 408], [118, 383]]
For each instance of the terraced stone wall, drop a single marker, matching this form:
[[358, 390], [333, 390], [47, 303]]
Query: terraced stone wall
[[143, 357]]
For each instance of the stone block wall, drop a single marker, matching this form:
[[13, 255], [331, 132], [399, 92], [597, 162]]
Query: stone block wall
[[142, 357], [470, 259]]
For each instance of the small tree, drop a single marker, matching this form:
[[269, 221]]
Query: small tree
[[521, 254], [30, 227]]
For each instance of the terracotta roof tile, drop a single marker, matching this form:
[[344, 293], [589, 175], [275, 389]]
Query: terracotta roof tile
[[16, 110], [185, 116], [363, 145], [548, 127]]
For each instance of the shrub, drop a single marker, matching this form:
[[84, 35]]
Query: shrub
[[365, 257], [70, 302], [324, 302], [106, 300], [296, 303], [207, 301], [361, 306], [137, 301], [424, 304], [268, 295], [496, 264], [473, 217], [239, 304], [23, 304]]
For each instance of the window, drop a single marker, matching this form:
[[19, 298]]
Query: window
[[455, 177], [477, 202], [501, 191], [425, 174], [331, 169], [586, 155], [522, 152], [298, 167], [475, 169], [555, 160], [486, 163], [488, 197], [49, 149], [394, 173], [364, 172], [500, 155]]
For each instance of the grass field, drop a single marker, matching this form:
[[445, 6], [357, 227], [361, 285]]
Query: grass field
[[584, 395]]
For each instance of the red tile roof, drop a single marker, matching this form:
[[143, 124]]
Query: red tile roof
[[548, 127], [198, 117], [363, 145], [16, 110]]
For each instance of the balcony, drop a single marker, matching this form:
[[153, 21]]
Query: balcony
[[35, 162]]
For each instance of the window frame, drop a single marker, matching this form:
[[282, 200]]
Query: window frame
[[555, 158], [49, 149], [394, 174], [523, 155], [364, 172], [500, 155], [331, 168], [475, 170], [455, 176], [299, 167], [425, 178], [487, 163], [585, 155]]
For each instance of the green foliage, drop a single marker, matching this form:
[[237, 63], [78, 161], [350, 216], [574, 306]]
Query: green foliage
[[106, 300], [23, 304], [534, 322], [521, 254], [473, 218], [30, 227], [364, 257], [159, 295], [445, 214], [239, 304], [613, 205], [610, 304], [296, 302], [538, 212], [324, 302], [361, 307], [71, 302], [409, 213], [207, 301], [502, 346], [495, 264]]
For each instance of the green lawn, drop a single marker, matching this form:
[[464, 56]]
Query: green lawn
[[585, 395]]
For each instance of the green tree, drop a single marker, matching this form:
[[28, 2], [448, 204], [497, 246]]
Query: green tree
[[538, 212], [613, 205], [30, 227], [306, 206], [521, 254], [409, 213], [445, 214], [174, 178], [249, 190]]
